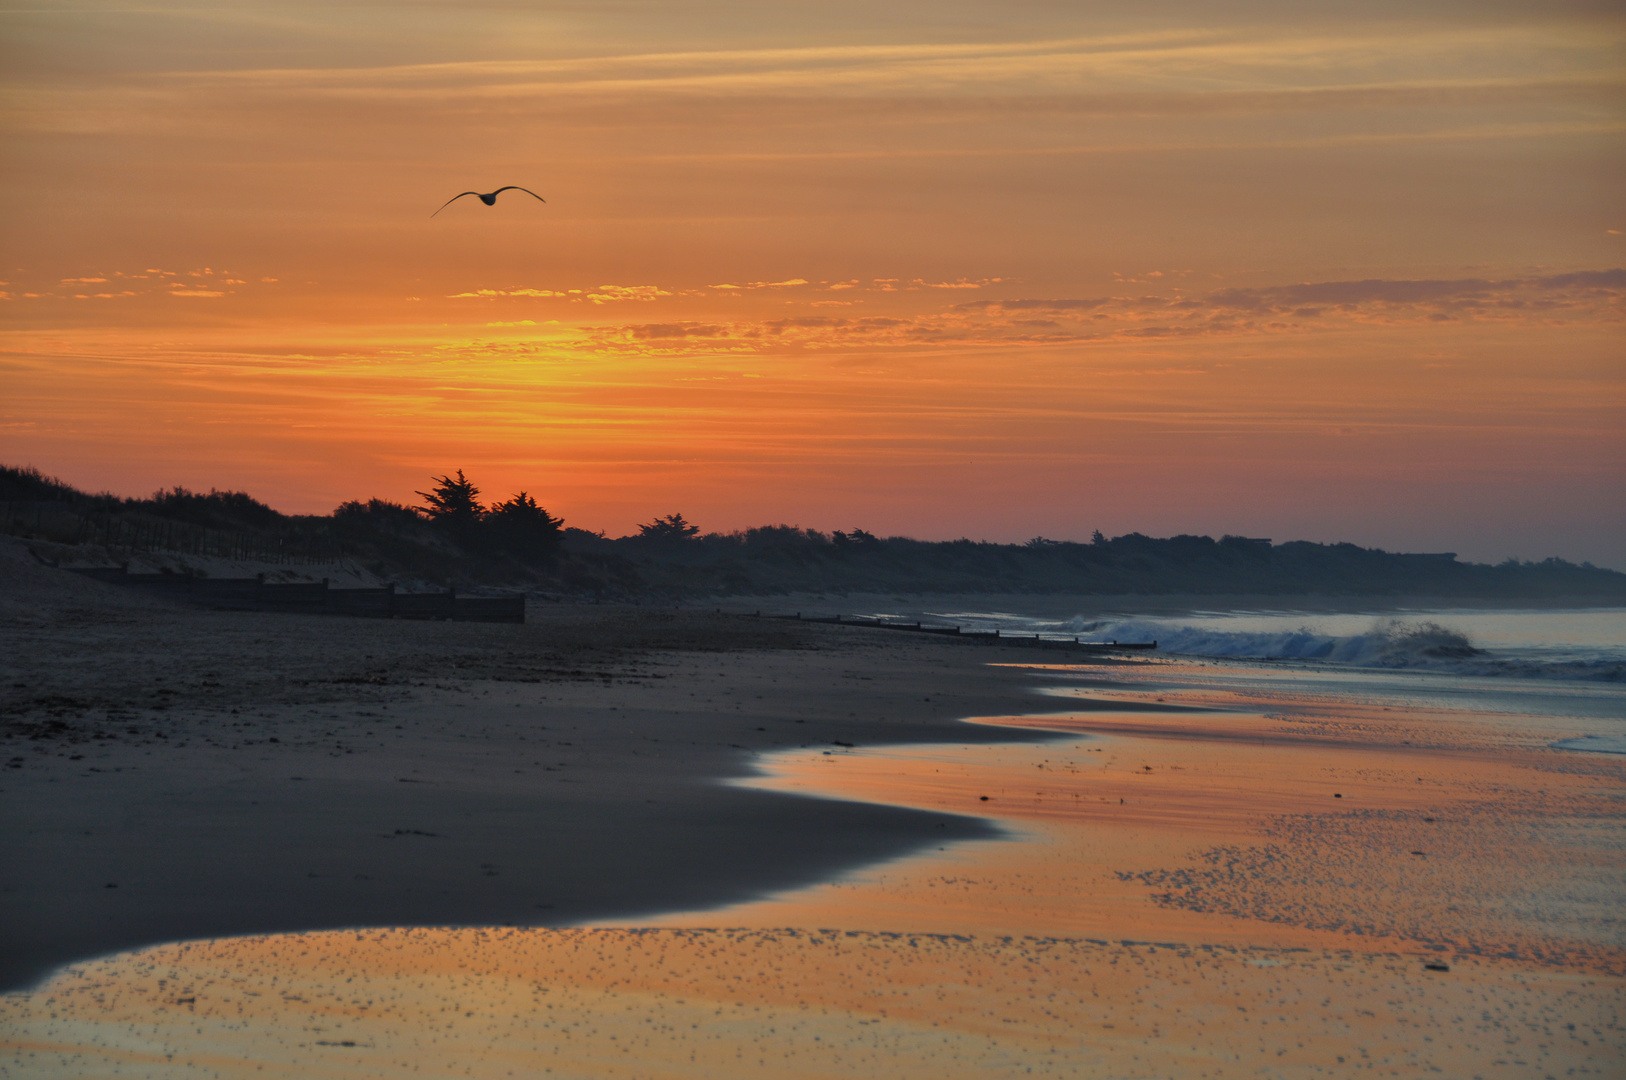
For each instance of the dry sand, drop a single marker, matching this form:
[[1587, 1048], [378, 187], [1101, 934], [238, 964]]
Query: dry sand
[[1228, 916]]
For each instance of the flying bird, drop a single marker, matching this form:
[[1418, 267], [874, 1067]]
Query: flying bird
[[490, 197]]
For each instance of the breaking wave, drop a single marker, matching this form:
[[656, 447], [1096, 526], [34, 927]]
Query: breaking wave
[[1389, 644]]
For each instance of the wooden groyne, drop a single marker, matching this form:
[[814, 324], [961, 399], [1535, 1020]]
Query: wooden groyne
[[315, 598], [995, 636]]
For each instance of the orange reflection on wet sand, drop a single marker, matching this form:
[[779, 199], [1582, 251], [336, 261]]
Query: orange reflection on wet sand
[[1182, 894], [792, 1003], [1089, 816]]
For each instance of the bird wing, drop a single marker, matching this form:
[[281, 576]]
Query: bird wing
[[453, 199], [516, 187]]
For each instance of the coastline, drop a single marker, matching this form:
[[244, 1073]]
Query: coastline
[[1159, 867], [177, 773], [1062, 605]]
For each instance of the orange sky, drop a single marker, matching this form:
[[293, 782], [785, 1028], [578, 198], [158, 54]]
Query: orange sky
[[946, 269]]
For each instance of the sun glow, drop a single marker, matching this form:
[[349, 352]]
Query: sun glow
[[1083, 272]]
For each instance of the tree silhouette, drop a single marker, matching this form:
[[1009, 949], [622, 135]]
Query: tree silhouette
[[669, 529], [454, 506], [857, 538], [524, 529], [453, 500]]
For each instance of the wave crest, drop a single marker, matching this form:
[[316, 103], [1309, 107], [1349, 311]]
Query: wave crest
[[1391, 643], [1427, 640]]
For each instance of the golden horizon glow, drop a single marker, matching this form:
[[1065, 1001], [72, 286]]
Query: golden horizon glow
[[1325, 278]]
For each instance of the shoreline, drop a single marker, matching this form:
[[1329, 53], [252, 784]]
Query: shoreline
[[332, 842], [1064, 605], [1185, 885], [176, 773]]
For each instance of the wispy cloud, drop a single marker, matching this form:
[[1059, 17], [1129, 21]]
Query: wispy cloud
[[1599, 290], [1038, 305], [764, 285], [205, 283], [1193, 60], [602, 294], [962, 283], [1451, 70], [659, 331], [605, 294], [1296, 308], [489, 294]]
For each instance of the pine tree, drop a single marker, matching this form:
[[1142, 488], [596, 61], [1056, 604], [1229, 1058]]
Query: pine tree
[[524, 529], [453, 501], [454, 507]]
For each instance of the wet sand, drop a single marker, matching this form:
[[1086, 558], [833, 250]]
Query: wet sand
[[1221, 828], [174, 773], [1221, 919], [799, 1003], [1189, 879]]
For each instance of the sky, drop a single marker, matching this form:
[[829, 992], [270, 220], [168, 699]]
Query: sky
[[1335, 272]]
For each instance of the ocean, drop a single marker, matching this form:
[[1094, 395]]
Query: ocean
[[1577, 644], [1293, 842], [1559, 670]]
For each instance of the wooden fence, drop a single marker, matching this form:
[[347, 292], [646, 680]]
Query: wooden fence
[[257, 594]]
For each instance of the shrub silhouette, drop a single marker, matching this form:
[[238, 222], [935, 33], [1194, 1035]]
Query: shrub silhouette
[[452, 536], [858, 538], [28, 484], [669, 529], [378, 511], [217, 509]]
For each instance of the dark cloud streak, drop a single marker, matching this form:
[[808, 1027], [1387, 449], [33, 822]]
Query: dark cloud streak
[[1311, 299]]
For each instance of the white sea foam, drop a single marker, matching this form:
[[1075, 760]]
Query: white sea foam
[[1589, 645], [1389, 643]]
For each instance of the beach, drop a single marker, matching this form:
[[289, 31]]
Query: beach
[[647, 842], [185, 773]]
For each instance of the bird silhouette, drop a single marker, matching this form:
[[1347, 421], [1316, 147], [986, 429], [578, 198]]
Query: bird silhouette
[[490, 197]]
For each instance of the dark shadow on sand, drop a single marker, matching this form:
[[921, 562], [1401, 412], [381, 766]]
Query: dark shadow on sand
[[307, 855]]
